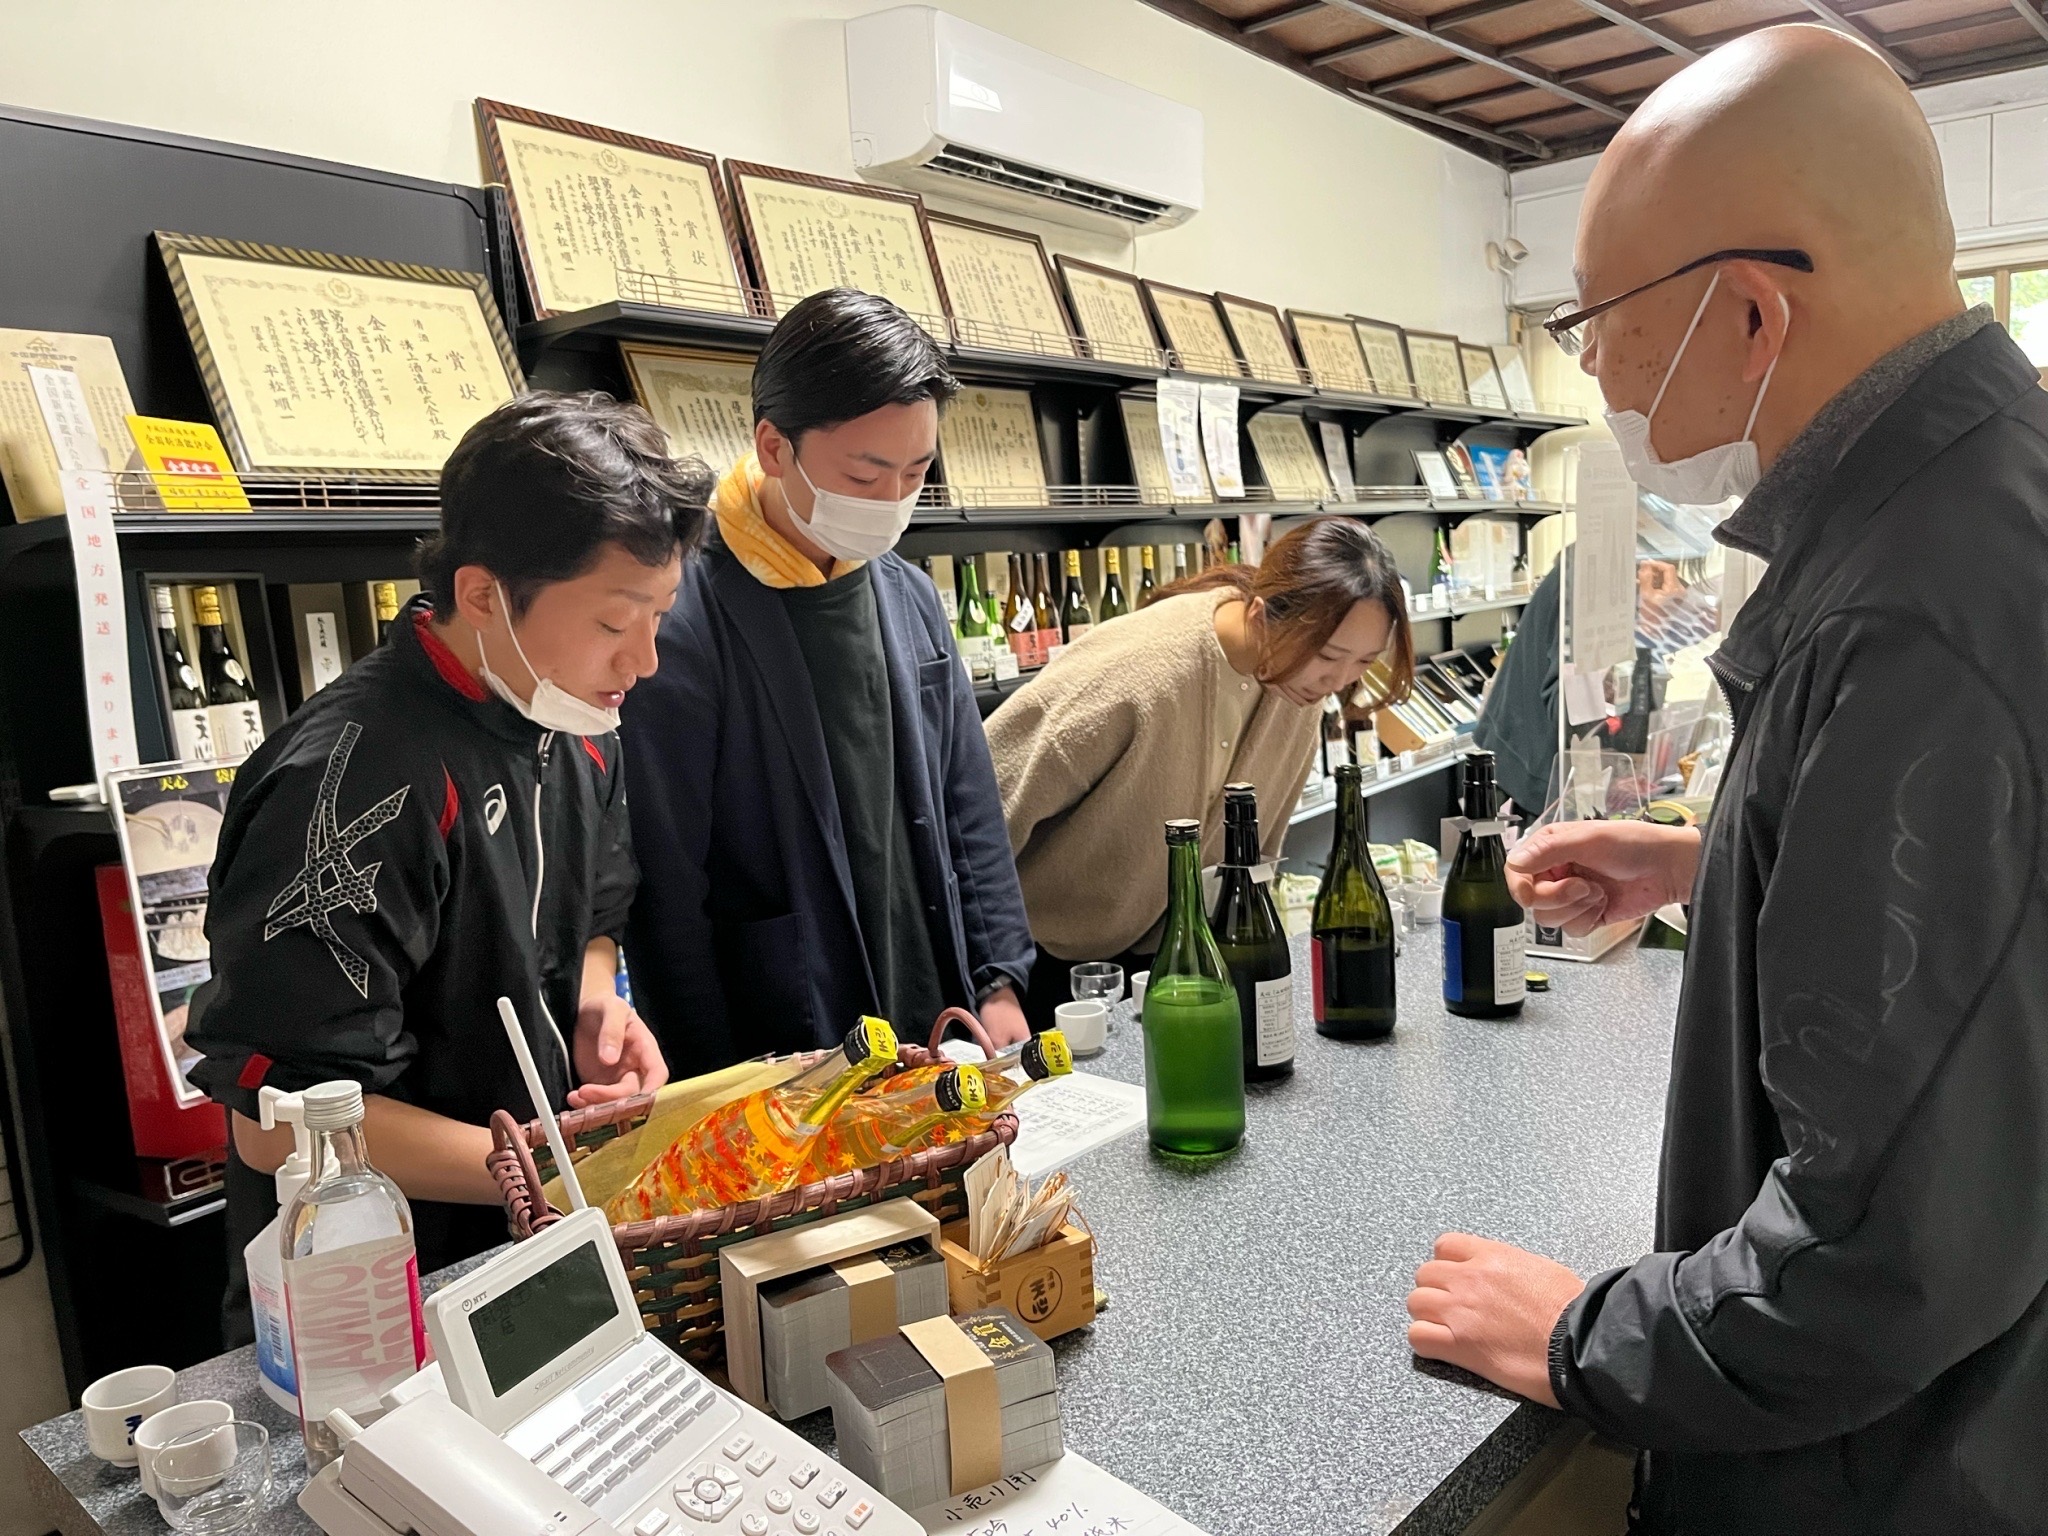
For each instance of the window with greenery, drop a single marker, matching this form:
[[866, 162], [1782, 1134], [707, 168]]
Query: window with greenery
[[2019, 297]]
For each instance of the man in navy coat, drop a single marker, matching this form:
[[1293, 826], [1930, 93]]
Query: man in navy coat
[[815, 818]]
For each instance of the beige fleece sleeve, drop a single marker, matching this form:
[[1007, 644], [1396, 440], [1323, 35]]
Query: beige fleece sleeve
[[1053, 742]]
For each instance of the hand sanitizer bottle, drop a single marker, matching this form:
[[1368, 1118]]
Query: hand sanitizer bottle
[[264, 1257], [351, 1276]]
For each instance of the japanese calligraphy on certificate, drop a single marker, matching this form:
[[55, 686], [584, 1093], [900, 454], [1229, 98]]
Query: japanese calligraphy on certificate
[[588, 204], [1330, 348], [1001, 287], [1287, 456], [704, 401], [30, 463], [807, 234], [1109, 307], [1194, 330], [320, 364], [1386, 355], [1439, 374], [1260, 338], [988, 442]]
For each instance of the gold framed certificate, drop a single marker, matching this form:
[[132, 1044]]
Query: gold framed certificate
[[989, 448], [588, 203], [1482, 383], [1385, 346], [808, 233], [1109, 309], [1148, 454], [1193, 328], [1261, 339], [29, 466], [318, 364], [1001, 286], [1330, 349], [1293, 469], [1439, 375], [704, 401], [1514, 379]]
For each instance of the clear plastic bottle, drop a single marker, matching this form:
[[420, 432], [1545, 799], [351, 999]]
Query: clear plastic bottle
[[263, 1258], [351, 1276]]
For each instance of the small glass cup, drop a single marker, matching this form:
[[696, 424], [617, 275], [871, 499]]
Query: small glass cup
[[1102, 979], [215, 1480]]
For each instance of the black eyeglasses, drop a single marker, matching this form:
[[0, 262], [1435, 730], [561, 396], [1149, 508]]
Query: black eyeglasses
[[1567, 326]]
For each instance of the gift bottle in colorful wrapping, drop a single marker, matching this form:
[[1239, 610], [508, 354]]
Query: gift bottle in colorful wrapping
[[1042, 1056], [756, 1145], [871, 1128]]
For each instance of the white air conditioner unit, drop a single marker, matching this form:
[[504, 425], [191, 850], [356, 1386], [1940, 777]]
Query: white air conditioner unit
[[937, 104]]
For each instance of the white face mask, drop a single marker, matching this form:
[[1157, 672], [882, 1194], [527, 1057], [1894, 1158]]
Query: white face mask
[[854, 527], [1732, 469], [550, 708]]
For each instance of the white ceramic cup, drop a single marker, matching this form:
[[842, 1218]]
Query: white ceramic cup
[[167, 1424], [1085, 1024], [1138, 980], [115, 1406]]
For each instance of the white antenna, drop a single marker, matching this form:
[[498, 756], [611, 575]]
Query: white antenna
[[539, 1095]]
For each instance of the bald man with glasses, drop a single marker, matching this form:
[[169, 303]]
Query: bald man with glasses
[[1844, 1328]]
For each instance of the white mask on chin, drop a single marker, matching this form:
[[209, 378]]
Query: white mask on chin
[[550, 708], [1705, 478], [853, 527]]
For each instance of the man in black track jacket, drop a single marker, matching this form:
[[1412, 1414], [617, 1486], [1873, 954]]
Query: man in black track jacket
[[1844, 1330], [446, 824]]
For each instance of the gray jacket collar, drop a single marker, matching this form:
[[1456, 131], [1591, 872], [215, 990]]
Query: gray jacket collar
[[1788, 488]]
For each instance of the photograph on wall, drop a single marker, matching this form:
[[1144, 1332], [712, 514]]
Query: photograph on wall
[[589, 204]]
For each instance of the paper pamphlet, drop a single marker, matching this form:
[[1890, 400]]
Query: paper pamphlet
[[1068, 1497], [1061, 1119]]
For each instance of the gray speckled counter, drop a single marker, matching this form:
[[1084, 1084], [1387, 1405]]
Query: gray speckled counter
[[1252, 1370]]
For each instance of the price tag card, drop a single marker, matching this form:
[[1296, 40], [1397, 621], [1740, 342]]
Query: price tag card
[[1219, 439]]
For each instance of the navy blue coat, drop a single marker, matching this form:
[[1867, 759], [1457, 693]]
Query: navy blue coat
[[744, 937]]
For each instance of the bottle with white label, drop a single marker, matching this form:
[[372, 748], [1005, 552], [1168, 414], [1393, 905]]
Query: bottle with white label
[[264, 1256], [232, 707], [1254, 945], [1485, 965], [191, 726], [351, 1276]]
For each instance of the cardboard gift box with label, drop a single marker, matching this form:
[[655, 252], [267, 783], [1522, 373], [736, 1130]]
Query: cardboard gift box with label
[[808, 1315]]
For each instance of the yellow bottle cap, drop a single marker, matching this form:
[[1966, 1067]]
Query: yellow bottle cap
[[961, 1089], [871, 1040], [1048, 1055]]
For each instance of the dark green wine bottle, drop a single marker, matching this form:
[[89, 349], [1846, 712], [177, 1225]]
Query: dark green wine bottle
[[1353, 929], [1254, 945], [1485, 953], [1114, 606], [1194, 1040]]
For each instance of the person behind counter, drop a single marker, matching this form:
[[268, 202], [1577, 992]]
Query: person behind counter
[[1219, 679], [445, 824], [815, 816], [1842, 1330]]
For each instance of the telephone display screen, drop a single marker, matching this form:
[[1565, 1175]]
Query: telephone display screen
[[542, 1317]]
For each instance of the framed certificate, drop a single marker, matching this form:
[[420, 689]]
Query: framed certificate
[[807, 233], [1148, 454], [1193, 328], [1293, 469], [1109, 308], [1001, 286], [1439, 375], [704, 401], [1514, 379], [319, 364], [1261, 339], [988, 445], [1385, 346], [1330, 348], [588, 203], [1482, 382]]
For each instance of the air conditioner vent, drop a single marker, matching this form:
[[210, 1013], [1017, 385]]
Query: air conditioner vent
[[973, 165]]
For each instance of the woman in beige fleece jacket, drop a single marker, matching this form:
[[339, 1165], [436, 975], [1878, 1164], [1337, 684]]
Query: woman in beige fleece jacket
[[1219, 680]]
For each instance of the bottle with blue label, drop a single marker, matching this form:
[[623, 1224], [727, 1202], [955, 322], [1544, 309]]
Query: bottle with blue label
[[264, 1257], [1485, 948]]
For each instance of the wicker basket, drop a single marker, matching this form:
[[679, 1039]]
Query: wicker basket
[[673, 1260]]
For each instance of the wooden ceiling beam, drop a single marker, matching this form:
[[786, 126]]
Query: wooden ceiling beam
[[1954, 24], [1866, 35], [1482, 53], [1671, 42], [1280, 18], [2032, 16]]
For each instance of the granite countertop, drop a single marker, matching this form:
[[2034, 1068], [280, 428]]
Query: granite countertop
[[1252, 1369]]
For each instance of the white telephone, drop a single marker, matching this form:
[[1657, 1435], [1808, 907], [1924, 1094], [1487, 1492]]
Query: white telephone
[[563, 1416]]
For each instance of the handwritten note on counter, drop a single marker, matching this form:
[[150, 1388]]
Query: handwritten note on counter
[[1068, 1497]]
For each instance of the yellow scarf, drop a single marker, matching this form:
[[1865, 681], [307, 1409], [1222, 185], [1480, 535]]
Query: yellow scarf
[[768, 557]]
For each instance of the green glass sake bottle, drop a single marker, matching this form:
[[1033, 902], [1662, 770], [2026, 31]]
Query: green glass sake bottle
[[1194, 1037]]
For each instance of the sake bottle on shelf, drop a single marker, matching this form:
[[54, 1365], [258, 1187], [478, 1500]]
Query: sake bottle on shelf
[[384, 595], [976, 627], [1020, 624], [1043, 614], [1485, 949], [1148, 580], [1113, 604], [1352, 945], [1254, 945], [1194, 1037], [756, 1145], [1076, 618], [232, 710], [191, 725]]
